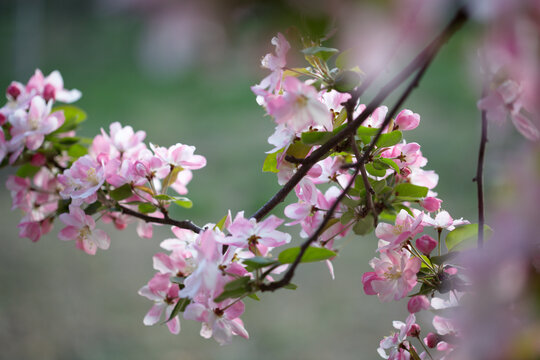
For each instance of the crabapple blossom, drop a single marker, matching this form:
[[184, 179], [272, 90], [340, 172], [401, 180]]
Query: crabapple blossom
[[81, 227], [83, 180], [51, 87], [394, 342], [165, 296], [405, 228], [418, 303], [406, 120], [219, 323], [180, 155], [299, 107], [426, 244], [30, 128], [274, 63], [257, 236], [431, 203], [394, 275], [443, 220]]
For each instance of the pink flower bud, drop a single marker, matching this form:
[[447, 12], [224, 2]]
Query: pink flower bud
[[414, 331], [407, 120], [431, 340], [431, 203], [141, 169], [14, 90], [426, 244], [418, 303], [38, 159], [49, 92], [3, 119]]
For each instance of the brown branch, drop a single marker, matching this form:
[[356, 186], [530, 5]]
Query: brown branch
[[421, 61], [480, 177], [184, 224]]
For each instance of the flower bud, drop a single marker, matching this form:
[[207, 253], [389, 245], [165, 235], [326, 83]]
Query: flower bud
[[3, 119], [49, 93], [14, 90], [418, 303], [407, 120], [431, 203], [38, 160], [426, 244], [414, 331], [431, 340]]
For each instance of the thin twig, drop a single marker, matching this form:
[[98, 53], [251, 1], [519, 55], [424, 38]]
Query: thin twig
[[480, 177], [184, 224]]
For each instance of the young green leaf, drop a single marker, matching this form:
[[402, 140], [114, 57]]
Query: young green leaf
[[258, 262], [389, 139], [147, 208], [183, 202], [364, 226], [465, 237], [312, 254], [321, 52], [410, 190], [270, 163], [121, 193]]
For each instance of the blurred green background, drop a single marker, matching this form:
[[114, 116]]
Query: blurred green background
[[181, 71]]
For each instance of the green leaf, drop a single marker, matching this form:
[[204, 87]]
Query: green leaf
[[389, 139], [367, 131], [340, 119], [27, 170], [346, 81], [121, 193], [291, 286], [298, 150], [179, 307], [347, 216], [258, 262], [320, 51], [270, 163], [312, 254], [377, 185], [183, 202], [389, 162], [465, 237], [254, 297], [163, 197], [73, 115], [343, 61], [364, 226], [76, 151], [235, 289], [410, 190], [316, 137], [221, 222], [439, 260], [387, 216], [375, 172], [147, 208], [93, 208]]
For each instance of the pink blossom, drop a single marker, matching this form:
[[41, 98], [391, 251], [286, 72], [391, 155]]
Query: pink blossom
[[207, 276], [406, 227], [418, 303], [431, 203], [426, 244], [394, 342], [431, 340], [81, 227], [299, 107], [275, 63], [32, 127], [34, 230], [216, 322], [121, 142], [257, 236], [407, 120], [82, 180], [443, 220], [396, 275], [51, 87], [404, 154], [180, 155], [165, 296]]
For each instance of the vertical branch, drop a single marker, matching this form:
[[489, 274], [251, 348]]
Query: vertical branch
[[480, 177]]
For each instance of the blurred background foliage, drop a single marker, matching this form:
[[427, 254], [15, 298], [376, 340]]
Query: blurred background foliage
[[182, 71]]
